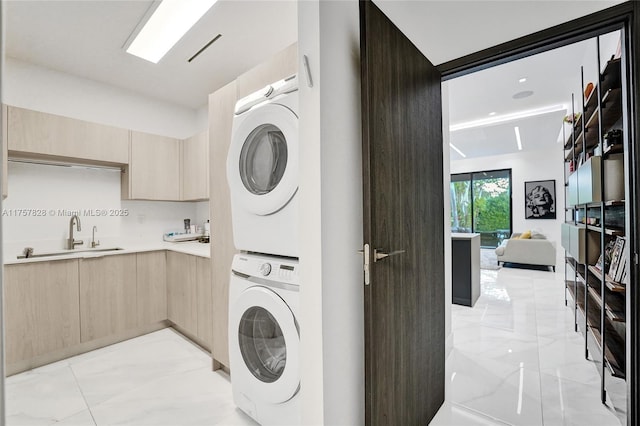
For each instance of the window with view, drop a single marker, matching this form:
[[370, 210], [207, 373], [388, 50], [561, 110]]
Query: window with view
[[481, 203]]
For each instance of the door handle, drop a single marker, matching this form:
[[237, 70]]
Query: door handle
[[379, 255], [365, 253]]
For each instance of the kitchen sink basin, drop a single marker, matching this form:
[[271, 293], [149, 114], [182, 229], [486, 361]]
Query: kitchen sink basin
[[68, 252]]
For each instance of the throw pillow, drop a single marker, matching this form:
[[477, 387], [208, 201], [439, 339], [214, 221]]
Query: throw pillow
[[526, 235]]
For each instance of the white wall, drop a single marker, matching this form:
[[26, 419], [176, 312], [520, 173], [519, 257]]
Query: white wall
[[54, 191], [332, 320], [30, 86], [527, 166]]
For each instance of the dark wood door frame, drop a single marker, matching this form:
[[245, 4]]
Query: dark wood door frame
[[625, 17]]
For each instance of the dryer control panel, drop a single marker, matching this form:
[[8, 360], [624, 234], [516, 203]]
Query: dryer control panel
[[272, 268]]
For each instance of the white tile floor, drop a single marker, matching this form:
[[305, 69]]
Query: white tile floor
[[157, 379], [516, 360]]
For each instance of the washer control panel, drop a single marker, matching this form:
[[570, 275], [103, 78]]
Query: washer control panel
[[279, 269], [265, 269]]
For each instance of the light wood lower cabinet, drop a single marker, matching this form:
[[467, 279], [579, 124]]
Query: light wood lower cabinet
[[108, 302], [151, 274], [204, 301], [41, 308], [5, 154], [190, 297], [182, 291]]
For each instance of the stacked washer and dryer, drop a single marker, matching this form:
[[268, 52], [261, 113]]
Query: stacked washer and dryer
[[264, 335]]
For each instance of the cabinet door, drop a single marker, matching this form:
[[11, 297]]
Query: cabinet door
[[204, 301], [151, 286], [107, 296], [154, 169], [37, 133], [195, 167], [182, 291], [41, 308], [221, 106]]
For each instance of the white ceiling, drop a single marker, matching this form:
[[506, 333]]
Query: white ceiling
[[85, 38]]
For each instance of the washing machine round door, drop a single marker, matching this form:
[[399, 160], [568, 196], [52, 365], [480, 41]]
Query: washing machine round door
[[262, 165], [268, 342]]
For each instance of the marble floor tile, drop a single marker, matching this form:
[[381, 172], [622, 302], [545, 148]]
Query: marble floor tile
[[453, 414], [569, 403], [497, 389], [131, 366], [43, 396]]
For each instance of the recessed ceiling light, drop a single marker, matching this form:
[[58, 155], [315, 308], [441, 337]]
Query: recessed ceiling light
[[168, 23], [457, 150], [517, 130], [523, 94], [522, 80], [506, 117], [492, 113]]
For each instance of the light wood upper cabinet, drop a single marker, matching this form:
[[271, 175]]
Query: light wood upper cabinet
[[182, 291], [151, 273], [37, 134], [108, 296], [154, 168], [41, 308], [195, 167]]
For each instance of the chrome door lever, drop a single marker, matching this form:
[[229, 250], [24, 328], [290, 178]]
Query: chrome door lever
[[365, 254], [379, 255]]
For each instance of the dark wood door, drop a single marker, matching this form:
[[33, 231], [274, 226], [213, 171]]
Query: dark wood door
[[403, 210]]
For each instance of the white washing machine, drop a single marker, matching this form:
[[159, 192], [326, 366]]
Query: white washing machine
[[262, 170], [264, 338]]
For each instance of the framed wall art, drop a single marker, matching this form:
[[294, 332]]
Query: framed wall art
[[540, 199]]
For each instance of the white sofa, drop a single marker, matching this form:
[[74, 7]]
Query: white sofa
[[533, 251]]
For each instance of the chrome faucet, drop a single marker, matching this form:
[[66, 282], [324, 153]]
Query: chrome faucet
[[94, 244], [71, 242]]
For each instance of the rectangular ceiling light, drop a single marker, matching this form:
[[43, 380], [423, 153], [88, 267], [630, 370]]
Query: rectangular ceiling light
[[455, 148], [517, 130], [169, 22], [506, 117]]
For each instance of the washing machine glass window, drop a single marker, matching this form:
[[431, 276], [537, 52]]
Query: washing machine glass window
[[263, 159], [262, 344]]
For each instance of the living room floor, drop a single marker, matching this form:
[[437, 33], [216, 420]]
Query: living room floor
[[516, 359]]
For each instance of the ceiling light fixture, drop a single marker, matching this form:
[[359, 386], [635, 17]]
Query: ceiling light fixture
[[492, 113], [506, 117], [517, 130], [522, 80], [457, 150], [169, 22]]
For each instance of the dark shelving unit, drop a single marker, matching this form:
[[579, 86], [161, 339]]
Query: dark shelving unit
[[599, 302]]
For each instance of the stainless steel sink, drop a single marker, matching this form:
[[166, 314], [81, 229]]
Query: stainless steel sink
[[67, 252]]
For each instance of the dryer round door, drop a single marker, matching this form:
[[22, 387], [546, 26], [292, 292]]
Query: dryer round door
[[268, 342], [262, 165]]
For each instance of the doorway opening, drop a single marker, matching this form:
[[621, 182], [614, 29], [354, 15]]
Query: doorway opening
[[544, 118]]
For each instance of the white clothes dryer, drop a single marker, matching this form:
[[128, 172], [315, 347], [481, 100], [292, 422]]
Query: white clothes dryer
[[262, 170], [264, 338]]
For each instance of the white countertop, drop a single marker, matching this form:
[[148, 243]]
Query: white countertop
[[463, 235], [188, 247]]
